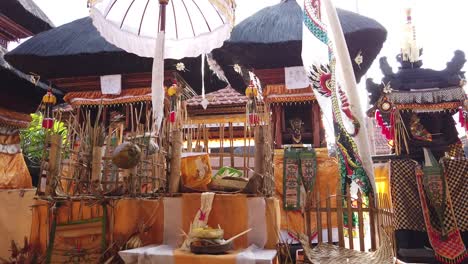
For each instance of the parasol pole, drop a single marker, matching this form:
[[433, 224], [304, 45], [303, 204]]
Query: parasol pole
[[157, 82]]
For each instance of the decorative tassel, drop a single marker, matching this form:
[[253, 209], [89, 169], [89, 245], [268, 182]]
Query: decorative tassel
[[461, 117], [251, 109], [172, 92], [392, 125], [48, 101]]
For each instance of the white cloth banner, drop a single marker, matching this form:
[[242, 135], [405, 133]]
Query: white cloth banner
[[320, 17], [172, 221], [295, 78], [111, 84]]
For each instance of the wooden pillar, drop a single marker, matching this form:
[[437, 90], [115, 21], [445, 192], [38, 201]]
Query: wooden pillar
[[54, 163], [259, 149], [278, 126], [174, 177], [316, 125]]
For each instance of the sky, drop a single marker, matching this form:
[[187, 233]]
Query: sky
[[440, 25]]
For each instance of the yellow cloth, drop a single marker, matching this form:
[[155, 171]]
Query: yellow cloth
[[183, 257], [228, 210], [327, 178], [196, 171], [381, 174]]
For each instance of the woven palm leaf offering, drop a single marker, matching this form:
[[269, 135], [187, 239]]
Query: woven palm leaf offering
[[207, 240], [202, 239], [228, 179]]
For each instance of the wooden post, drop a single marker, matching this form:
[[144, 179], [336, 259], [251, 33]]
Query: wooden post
[[54, 163], [360, 221], [278, 126], [339, 215], [174, 177], [329, 222], [259, 150], [349, 213], [372, 221], [316, 120], [221, 145], [319, 217], [244, 152], [231, 143], [308, 216], [206, 138]]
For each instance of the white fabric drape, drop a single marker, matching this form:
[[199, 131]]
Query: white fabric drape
[[192, 27], [157, 81], [346, 79]]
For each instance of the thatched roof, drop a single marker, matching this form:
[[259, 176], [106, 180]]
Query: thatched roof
[[27, 14], [272, 38], [18, 92]]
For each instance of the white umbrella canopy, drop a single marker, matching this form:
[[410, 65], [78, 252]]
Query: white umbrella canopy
[[164, 29], [192, 27]]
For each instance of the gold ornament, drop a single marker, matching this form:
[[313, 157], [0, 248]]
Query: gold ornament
[[49, 98], [172, 90], [251, 91]]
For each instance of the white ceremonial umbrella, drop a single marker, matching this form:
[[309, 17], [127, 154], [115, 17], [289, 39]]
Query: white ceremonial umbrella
[[164, 29]]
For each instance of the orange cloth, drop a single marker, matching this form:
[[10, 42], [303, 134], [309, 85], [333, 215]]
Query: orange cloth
[[124, 218], [196, 171], [228, 210], [130, 213], [327, 179], [9, 139], [14, 173], [183, 257]]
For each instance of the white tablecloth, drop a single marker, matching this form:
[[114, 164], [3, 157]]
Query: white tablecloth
[[163, 254]]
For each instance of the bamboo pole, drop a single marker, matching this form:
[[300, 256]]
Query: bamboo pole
[[360, 222], [350, 217], [259, 157], [205, 138], [244, 151], [231, 143], [339, 216], [372, 221], [319, 217], [54, 163], [329, 221], [174, 177], [221, 146]]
